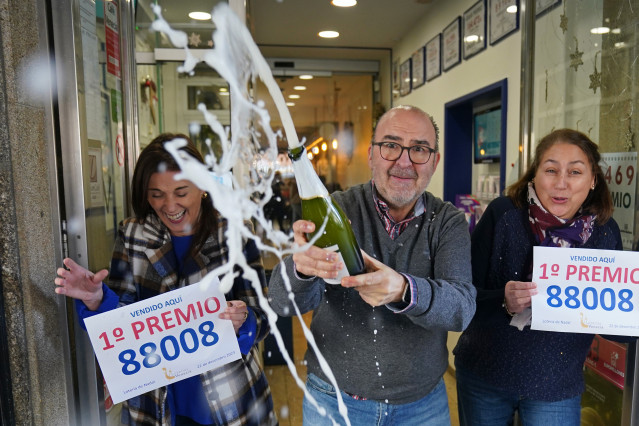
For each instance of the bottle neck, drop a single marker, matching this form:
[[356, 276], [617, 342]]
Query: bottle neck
[[309, 184]]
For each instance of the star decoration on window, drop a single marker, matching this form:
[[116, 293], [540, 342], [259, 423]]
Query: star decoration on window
[[595, 77], [563, 20], [575, 57], [210, 43], [194, 40], [563, 23], [629, 144]]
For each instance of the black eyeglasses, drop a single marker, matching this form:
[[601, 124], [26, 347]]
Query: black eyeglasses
[[391, 151]]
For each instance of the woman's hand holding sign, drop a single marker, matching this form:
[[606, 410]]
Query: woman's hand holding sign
[[237, 312], [518, 295]]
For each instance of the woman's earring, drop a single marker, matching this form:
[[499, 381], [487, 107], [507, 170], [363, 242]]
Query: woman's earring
[[592, 187], [204, 195]]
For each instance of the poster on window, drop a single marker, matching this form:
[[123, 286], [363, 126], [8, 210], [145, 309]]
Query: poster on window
[[619, 173], [112, 35]]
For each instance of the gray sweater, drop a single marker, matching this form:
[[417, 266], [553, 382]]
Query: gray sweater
[[381, 353]]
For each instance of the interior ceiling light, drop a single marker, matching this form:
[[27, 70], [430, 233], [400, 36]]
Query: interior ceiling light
[[328, 34], [616, 31], [293, 96], [344, 3], [299, 87], [306, 77], [290, 104], [200, 16], [600, 30], [511, 9]]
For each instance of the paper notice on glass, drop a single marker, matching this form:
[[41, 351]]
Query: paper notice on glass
[[619, 174], [586, 291], [161, 340]]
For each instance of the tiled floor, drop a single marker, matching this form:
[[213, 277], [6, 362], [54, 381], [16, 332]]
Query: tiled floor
[[287, 396]]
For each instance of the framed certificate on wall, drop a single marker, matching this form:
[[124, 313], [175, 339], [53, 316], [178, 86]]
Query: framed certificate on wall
[[405, 77], [434, 57], [451, 44], [474, 38], [396, 74], [417, 62], [503, 18], [541, 6]]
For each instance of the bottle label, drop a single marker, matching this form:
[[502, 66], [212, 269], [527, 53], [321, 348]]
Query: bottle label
[[343, 272]]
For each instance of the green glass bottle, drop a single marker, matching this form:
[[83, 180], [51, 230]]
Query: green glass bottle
[[316, 205]]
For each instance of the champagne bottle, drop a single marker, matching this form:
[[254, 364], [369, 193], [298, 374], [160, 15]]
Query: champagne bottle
[[316, 205]]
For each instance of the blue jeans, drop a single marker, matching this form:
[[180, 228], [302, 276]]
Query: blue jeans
[[481, 404], [430, 410]]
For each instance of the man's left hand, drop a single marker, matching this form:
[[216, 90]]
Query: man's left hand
[[379, 285]]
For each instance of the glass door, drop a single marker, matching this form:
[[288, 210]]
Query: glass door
[[94, 152], [585, 76]]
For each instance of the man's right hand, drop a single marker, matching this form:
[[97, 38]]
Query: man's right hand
[[314, 262], [80, 283]]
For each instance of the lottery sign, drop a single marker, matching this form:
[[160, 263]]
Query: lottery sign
[[586, 291], [619, 174], [161, 340]]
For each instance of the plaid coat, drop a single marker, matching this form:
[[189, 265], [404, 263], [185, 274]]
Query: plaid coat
[[143, 266]]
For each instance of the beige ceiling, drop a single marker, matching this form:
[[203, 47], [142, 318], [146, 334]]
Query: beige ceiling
[[288, 29]]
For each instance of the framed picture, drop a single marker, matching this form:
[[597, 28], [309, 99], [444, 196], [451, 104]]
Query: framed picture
[[417, 63], [396, 74], [434, 57], [503, 18], [405, 77], [451, 44], [475, 29], [487, 135], [542, 6]]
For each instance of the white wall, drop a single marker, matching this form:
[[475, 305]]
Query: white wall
[[496, 62]]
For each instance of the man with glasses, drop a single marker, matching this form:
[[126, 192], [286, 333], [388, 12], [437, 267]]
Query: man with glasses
[[383, 333]]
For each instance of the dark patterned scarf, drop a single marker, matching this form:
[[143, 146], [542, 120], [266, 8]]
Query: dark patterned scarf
[[552, 231]]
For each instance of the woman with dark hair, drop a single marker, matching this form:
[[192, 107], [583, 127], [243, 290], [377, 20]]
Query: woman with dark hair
[[174, 240], [561, 201]]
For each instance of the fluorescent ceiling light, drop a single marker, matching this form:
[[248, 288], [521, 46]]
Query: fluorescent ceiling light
[[290, 104], [306, 77], [600, 30], [328, 34], [344, 3], [293, 96], [200, 16], [299, 87]]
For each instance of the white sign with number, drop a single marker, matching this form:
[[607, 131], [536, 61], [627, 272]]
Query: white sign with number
[[161, 340], [586, 291], [619, 172]]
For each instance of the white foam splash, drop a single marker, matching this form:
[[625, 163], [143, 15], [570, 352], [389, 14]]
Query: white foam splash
[[238, 60]]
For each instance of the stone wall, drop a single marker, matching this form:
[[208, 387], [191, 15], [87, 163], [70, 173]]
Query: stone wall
[[34, 316]]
